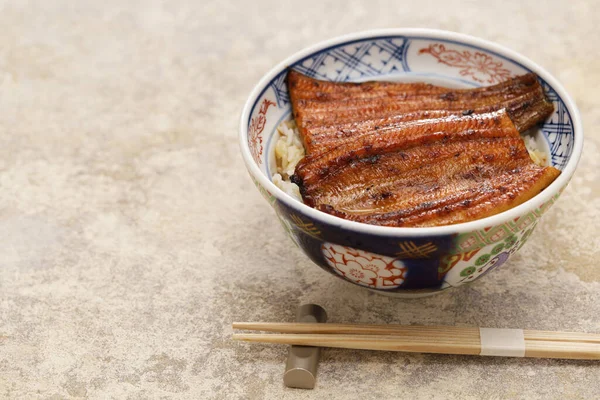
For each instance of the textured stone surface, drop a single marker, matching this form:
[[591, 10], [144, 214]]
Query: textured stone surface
[[131, 236]]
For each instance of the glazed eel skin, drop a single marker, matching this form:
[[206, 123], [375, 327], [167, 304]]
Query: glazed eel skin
[[330, 113], [426, 172]]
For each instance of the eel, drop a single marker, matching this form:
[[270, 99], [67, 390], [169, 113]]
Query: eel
[[441, 170], [329, 114]]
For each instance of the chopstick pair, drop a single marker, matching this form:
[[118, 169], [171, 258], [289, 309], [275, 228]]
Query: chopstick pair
[[428, 339]]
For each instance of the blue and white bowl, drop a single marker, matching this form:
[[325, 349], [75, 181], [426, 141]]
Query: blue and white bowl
[[406, 262]]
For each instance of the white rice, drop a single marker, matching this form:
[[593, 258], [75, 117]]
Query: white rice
[[289, 151], [536, 153]]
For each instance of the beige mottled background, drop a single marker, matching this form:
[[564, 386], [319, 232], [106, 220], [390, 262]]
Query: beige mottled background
[[131, 236]]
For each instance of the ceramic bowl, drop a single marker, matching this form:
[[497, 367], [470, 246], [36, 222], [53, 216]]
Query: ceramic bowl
[[406, 262]]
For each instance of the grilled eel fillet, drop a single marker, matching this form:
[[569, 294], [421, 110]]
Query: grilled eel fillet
[[329, 113], [430, 172]]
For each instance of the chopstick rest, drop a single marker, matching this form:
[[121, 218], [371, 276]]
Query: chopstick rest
[[502, 342], [303, 361]]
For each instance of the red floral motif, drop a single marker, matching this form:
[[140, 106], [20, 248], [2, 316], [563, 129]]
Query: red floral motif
[[365, 268], [257, 124], [478, 66]]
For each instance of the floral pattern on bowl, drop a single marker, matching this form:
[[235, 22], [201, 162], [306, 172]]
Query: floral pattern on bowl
[[365, 268]]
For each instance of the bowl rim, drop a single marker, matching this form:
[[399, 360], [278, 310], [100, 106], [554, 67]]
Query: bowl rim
[[479, 224]]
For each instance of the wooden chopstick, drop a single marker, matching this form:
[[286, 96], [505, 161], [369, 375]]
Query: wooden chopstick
[[422, 339], [406, 330]]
